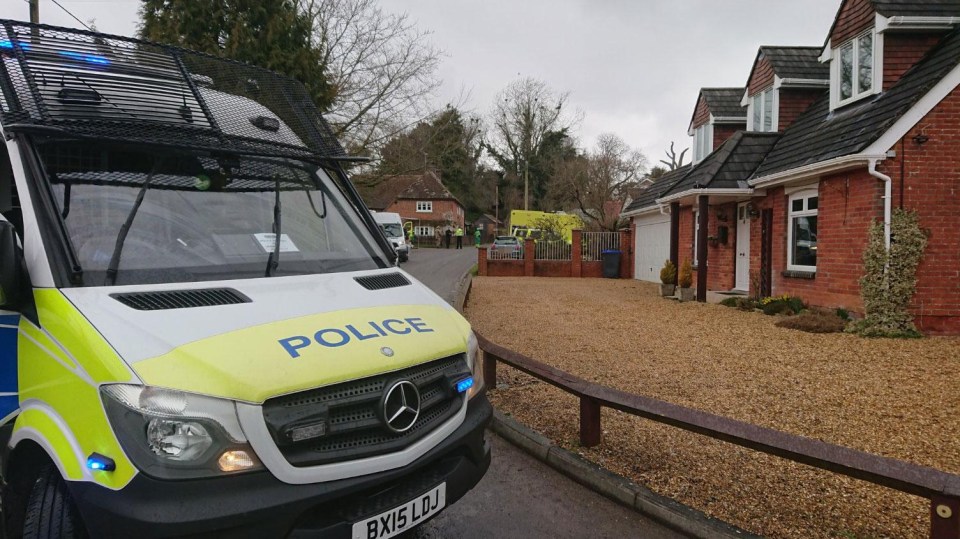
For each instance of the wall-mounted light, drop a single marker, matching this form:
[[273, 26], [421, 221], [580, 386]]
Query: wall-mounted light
[[921, 138]]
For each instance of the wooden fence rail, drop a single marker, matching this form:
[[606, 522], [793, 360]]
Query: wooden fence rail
[[941, 488]]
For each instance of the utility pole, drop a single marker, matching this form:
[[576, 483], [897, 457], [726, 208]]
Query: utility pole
[[35, 11], [526, 183]]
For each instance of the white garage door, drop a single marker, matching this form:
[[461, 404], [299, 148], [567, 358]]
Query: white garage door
[[652, 246]]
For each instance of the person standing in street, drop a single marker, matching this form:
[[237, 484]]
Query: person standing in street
[[446, 236], [459, 234], [476, 237]]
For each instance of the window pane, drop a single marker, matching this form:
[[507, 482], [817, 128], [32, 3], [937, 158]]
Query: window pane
[[797, 205], [768, 110], [812, 203], [846, 72], [757, 117], [865, 63], [804, 248]]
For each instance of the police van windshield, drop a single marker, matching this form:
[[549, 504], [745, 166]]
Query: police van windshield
[[140, 216]]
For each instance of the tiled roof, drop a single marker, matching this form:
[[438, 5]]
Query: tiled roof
[[426, 186], [656, 189], [928, 8], [796, 62], [819, 134], [730, 165], [725, 102]]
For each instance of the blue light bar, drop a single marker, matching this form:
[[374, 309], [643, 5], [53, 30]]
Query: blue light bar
[[464, 384], [6, 44], [99, 462], [83, 57]]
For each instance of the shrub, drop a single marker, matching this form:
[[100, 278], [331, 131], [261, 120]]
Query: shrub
[[744, 304], [816, 321], [668, 274], [730, 302], [685, 279], [890, 277], [843, 313], [784, 304]]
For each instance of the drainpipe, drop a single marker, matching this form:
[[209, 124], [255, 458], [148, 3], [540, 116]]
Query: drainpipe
[[887, 200]]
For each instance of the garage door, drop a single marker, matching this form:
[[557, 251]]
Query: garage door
[[652, 246]]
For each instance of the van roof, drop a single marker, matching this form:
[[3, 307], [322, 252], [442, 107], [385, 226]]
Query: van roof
[[129, 90]]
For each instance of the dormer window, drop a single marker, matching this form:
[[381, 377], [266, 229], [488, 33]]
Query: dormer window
[[702, 142], [855, 74], [762, 113]]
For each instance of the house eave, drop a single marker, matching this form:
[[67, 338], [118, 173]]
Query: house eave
[[803, 83], [641, 211], [730, 120], [747, 191], [906, 22], [837, 164]]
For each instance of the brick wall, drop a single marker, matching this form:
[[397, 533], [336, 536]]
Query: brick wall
[[793, 103], [701, 114], [901, 52], [686, 238], [723, 132], [721, 258], [441, 210], [761, 77], [854, 17]]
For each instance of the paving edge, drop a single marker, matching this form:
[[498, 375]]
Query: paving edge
[[616, 487], [463, 289]]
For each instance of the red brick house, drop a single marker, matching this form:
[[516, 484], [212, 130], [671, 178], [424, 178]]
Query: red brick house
[[421, 199], [868, 122]]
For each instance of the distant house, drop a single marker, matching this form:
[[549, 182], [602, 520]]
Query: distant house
[[835, 137], [488, 225], [420, 199]]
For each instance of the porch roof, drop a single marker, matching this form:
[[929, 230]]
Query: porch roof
[[648, 197]]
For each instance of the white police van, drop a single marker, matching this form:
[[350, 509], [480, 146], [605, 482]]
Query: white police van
[[392, 226], [202, 331]]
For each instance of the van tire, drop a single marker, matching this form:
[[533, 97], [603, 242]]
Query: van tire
[[51, 512]]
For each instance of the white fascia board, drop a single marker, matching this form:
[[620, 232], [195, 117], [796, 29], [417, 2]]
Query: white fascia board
[[746, 97], [916, 113], [915, 23], [827, 53], [707, 191], [824, 167], [729, 120], [641, 211], [803, 83]]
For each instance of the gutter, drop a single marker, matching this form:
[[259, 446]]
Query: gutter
[[916, 23], [705, 191], [887, 200], [823, 167]]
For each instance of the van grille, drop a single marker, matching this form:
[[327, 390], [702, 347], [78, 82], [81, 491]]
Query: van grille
[[354, 428], [180, 299], [380, 282]]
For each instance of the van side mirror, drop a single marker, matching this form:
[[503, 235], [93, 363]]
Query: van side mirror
[[11, 267]]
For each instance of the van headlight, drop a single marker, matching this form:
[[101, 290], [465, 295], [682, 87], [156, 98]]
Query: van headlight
[[475, 362], [171, 434]]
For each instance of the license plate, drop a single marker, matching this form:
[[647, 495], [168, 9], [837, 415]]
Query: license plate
[[404, 517]]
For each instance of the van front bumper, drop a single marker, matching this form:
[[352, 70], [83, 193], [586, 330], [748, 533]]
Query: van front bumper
[[259, 505]]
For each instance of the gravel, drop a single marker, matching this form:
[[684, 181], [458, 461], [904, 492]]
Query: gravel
[[897, 398]]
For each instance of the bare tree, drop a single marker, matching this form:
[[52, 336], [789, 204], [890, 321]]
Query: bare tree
[[674, 163], [611, 170], [524, 116], [381, 67]]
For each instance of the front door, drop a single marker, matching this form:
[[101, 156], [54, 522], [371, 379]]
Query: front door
[[743, 248]]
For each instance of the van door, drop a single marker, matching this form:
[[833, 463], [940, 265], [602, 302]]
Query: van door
[[9, 320]]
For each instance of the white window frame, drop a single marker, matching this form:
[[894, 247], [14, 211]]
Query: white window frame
[[423, 231], [773, 112], [424, 206], [877, 85], [702, 142], [805, 195]]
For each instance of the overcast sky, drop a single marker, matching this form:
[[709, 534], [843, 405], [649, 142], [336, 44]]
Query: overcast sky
[[633, 67]]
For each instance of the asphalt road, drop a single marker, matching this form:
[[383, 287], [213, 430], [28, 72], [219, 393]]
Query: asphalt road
[[519, 496]]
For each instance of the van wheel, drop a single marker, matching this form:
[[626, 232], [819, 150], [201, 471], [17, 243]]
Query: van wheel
[[50, 510]]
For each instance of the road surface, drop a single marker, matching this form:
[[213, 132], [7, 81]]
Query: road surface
[[520, 496]]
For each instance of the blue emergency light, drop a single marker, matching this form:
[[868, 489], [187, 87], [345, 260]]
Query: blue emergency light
[[464, 384], [88, 58], [102, 463]]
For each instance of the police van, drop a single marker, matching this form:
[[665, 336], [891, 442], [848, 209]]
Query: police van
[[392, 225], [203, 332]]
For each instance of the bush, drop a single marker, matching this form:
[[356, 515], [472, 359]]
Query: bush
[[744, 304], [685, 280], [788, 305], [843, 313], [668, 274], [816, 321]]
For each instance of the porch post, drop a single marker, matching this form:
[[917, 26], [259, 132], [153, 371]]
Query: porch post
[[675, 236], [702, 220]]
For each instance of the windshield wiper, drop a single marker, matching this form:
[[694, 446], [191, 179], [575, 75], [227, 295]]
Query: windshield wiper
[[111, 277], [273, 261]]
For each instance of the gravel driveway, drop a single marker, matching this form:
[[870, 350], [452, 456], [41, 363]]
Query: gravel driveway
[[898, 398]]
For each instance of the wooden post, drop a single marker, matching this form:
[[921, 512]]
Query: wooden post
[[702, 219], [589, 422], [675, 236], [576, 254], [489, 370], [944, 517]]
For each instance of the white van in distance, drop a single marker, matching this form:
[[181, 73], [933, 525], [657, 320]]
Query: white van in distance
[[392, 226]]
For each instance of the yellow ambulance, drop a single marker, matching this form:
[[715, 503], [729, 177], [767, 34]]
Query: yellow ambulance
[[203, 331]]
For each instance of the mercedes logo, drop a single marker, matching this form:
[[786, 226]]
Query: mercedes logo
[[401, 406], [387, 351]]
